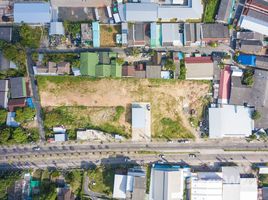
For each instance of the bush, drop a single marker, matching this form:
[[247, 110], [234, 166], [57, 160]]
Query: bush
[[248, 77], [29, 36], [169, 65], [24, 114], [119, 110], [182, 71], [256, 115]]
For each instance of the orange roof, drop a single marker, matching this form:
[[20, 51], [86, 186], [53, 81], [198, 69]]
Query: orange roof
[[225, 83]]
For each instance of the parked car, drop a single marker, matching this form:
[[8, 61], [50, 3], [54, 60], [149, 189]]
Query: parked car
[[183, 141], [192, 155], [36, 148]]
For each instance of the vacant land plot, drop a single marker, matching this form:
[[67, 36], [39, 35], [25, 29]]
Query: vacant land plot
[[211, 8], [108, 34], [170, 100]]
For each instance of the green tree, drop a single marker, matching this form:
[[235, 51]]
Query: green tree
[[169, 65], [5, 135], [256, 115], [248, 77], [3, 116], [135, 52], [29, 36], [24, 114], [19, 136], [182, 71], [120, 61]]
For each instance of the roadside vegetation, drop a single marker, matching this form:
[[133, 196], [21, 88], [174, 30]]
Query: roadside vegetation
[[72, 58], [211, 7]]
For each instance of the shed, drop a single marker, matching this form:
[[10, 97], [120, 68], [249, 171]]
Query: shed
[[60, 137], [17, 87], [56, 28], [96, 34], [6, 33], [32, 13]]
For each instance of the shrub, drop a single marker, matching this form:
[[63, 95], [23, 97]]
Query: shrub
[[256, 115]]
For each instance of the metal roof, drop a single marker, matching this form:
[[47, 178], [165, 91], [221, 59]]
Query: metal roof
[[120, 182], [96, 34], [230, 121], [141, 12], [34, 13], [60, 137], [56, 28], [17, 87]]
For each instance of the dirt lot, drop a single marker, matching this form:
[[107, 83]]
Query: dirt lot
[[169, 99], [108, 35]]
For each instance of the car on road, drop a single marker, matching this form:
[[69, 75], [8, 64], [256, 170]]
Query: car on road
[[161, 155], [183, 141], [192, 155], [36, 148]]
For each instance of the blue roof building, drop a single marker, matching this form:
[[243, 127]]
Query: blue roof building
[[32, 13], [96, 34], [248, 60]]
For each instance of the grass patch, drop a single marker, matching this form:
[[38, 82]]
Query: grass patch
[[173, 129], [263, 180], [119, 110], [108, 35], [211, 7]]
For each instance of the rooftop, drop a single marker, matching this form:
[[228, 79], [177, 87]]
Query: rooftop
[[214, 31]]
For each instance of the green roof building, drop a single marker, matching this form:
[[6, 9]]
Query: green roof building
[[102, 64]]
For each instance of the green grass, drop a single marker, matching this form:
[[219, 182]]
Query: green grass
[[263, 178], [211, 7], [7, 179], [173, 129], [119, 110]]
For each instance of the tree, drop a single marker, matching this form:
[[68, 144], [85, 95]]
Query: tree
[[19, 136], [256, 115], [120, 61], [29, 36], [5, 135], [169, 65], [248, 77], [182, 71], [135, 52], [24, 114], [3, 116]]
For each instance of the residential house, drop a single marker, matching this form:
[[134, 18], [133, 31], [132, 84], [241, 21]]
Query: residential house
[[230, 121], [262, 62], [225, 11], [128, 71], [6, 33], [255, 16], [124, 31], [215, 33], [253, 96], [152, 12], [167, 182], [199, 68], [63, 68], [96, 34], [3, 93], [32, 13], [171, 35], [141, 121], [153, 71], [60, 137], [249, 35], [155, 38], [192, 34], [251, 46], [225, 85], [137, 34], [130, 186], [52, 68], [65, 194], [102, 64]]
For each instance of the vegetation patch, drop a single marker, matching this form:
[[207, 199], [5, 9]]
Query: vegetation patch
[[211, 7], [7, 179], [263, 180], [108, 35]]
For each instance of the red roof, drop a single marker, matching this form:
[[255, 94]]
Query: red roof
[[128, 71], [206, 59], [225, 83], [16, 103], [258, 5]]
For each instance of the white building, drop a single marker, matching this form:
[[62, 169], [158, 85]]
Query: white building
[[230, 121]]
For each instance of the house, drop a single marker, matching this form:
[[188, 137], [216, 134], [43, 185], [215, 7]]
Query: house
[[6, 33], [199, 68], [249, 35], [230, 121], [225, 85], [130, 186], [4, 88], [246, 59], [167, 182], [171, 35], [155, 38], [251, 46], [96, 34], [56, 28], [124, 31], [102, 64], [65, 194], [153, 71], [52, 68], [255, 16], [192, 34], [152, 12], [32, 13], [63, 68], [228, 184], [128, 71], [253, 96], [137, 34], [225, 10], [141, 121], [215, 33], [17, 88], [262, 62]]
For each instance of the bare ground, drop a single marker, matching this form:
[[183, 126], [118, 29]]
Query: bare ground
[[167, 98]]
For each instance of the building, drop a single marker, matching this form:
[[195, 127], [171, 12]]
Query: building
[[251, 46], [17, 88], [32, 13], [225, 85], [56, 28], [96, 34], [102, 64], [255, 16], [6, 33], [253, 96], [4, 93], [153, 12], [262, 62], [215, 33], [249, 35], [225, 10], [167, 182], [171, 35], [60, 137], [230, 121], [248, 60], [136, 34], [128, 71], [141, 121], [192, 34], [153, 71], [65, 194], [199, 68], [206, 186], [131, 186], [155, 37]]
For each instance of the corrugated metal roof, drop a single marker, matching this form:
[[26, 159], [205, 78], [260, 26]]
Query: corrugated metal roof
[[56, 28], [141, 12], [32, 13], [96, 34]]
